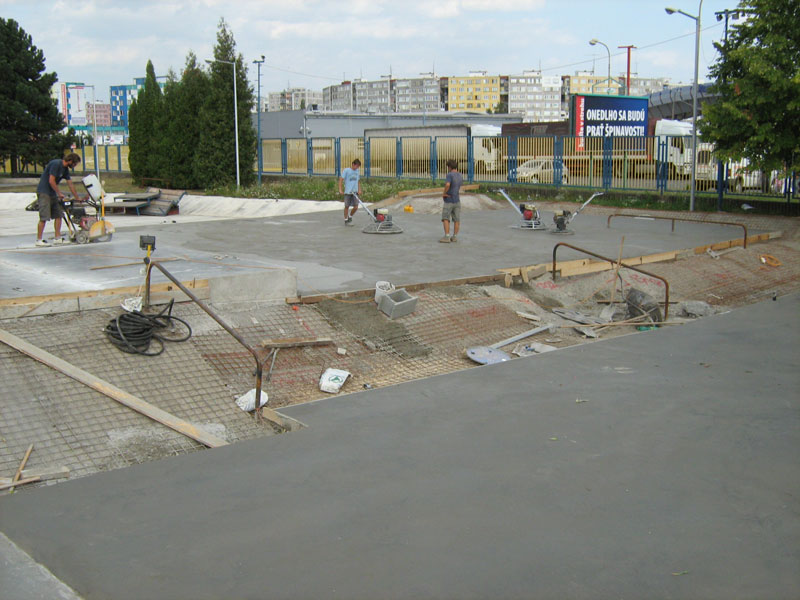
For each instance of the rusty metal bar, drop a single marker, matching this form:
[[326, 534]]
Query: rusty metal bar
[[614, 262], [260, 356], [673, 219]]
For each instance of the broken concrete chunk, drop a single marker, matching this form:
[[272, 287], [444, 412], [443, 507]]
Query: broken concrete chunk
[[694, 309]]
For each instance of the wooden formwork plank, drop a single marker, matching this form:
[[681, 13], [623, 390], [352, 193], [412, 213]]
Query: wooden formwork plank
[[128, 291], [113, 392]]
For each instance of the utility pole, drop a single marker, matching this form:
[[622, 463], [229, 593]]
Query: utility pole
[[628, 80]]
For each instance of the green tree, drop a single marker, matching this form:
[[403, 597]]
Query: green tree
[[30, 124], [216, 153], [145, 118], [757, 78], [183, 101]]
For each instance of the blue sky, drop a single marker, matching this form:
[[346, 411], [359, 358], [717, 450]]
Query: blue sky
[[312, 43]]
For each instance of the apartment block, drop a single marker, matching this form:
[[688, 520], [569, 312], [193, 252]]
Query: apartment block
[[339, 98], [374, 96], [122, 96], [536, 97], [476, 92], [294, 99], [417, 94]]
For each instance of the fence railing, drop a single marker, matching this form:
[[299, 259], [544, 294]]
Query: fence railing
[[661, 164]]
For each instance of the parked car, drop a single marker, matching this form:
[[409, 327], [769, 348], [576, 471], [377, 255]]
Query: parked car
[[540, 170]]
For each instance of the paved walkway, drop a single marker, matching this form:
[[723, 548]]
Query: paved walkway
[[656, 465]]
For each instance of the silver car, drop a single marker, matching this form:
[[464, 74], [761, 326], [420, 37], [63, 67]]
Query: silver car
[[540, 170]]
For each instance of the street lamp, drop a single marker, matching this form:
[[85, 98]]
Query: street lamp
[[670, 11], [258, 118], [235, 112], [594, 42]]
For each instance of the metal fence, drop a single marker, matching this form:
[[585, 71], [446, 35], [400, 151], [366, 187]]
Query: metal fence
[[635, 163]]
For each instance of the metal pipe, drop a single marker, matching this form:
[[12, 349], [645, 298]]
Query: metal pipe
[[257, 353], [614, 262], [673, 219]]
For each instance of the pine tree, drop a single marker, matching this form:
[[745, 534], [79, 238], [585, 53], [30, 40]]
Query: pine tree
[[215, 160], [183, 100], [757, 77], [30, 124], [145, 118]]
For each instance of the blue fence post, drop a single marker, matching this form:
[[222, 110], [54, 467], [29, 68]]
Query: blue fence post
[[337, 152], [513, 151], [470, 160], [608, 165], [558, 160], [434, 160], [284, 157], [399, 158], [662, 169], [119, 158], [367, 156], [106, 148], [310, 156]]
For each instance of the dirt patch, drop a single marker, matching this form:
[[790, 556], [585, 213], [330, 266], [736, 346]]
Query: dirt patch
[[365, 321], [427, 204]]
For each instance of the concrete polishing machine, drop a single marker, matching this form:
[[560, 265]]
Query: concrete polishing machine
[[381, 220], [85, 228], [529, 217], [562, 218]]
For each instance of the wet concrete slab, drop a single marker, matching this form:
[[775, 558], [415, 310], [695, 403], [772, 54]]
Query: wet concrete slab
[[656, 465], [329, 256]]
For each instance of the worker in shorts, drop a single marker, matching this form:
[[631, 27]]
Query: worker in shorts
[[352, 185], [50, 197], [451, 207]]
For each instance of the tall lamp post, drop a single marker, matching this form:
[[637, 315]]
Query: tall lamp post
[[594, 42], [694, 93], [258, 117], [235, 112]]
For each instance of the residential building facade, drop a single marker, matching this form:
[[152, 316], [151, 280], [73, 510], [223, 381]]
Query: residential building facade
[[294, 99], [476, 92], [536, 97]]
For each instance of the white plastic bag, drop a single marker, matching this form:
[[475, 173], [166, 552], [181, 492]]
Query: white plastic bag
[[332, 380], [248, 402]]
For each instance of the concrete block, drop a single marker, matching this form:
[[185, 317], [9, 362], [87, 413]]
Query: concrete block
[[270, 284], [398, 303]]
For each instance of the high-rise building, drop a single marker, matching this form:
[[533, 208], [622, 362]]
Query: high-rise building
[[536, 97], [294, 99], [418, 94], [338, 98], [374, 96], [476, 92], [122, 96]]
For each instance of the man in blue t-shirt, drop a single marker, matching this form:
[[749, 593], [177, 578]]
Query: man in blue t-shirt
[[451, 208], [49, 196], [352, 186]]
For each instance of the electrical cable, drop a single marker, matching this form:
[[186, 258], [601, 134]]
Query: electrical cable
[[133, 332]]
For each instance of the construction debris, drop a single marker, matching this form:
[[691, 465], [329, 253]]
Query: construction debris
[[641, 303]]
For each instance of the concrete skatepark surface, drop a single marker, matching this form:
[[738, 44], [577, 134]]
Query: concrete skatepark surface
[[660, 465], [327, 255]]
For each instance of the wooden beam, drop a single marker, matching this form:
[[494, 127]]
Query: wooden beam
[[22, 464], [41, 474], [130, 291], [113, 392], [6, 486]]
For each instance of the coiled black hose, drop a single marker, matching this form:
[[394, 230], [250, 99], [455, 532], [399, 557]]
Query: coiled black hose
[[133, 332]]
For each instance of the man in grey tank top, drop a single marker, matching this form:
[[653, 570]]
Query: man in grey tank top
[[451, 207]]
